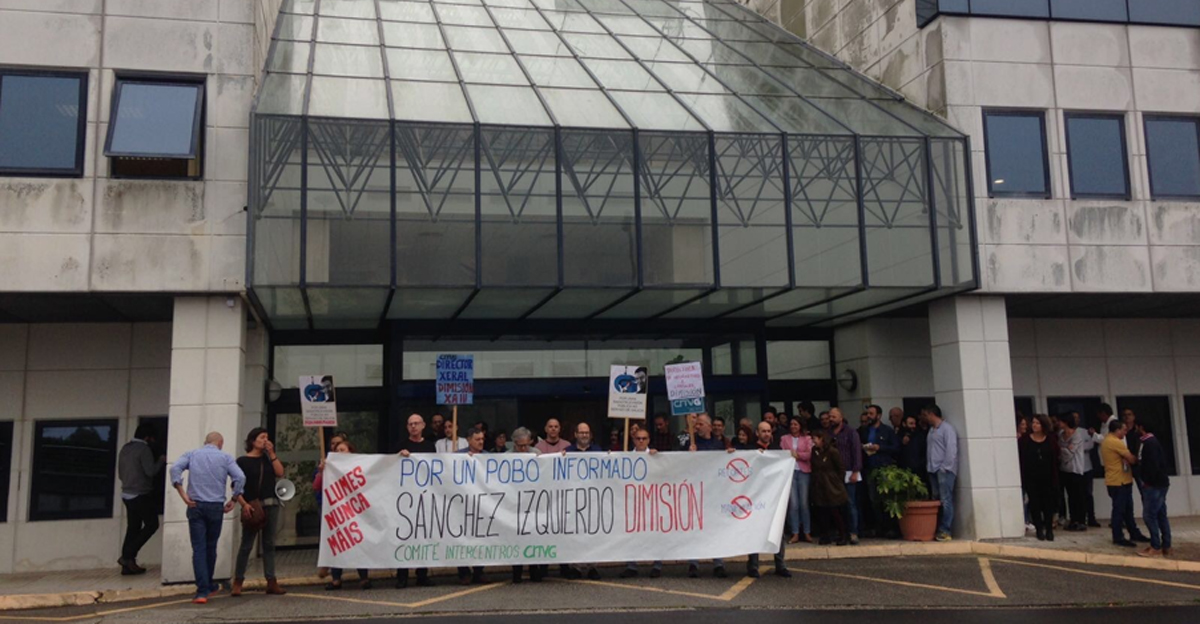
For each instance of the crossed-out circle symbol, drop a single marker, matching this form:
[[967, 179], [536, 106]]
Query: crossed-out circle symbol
[[742, 506], [738, 470]]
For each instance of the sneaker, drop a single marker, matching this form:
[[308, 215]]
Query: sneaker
[[402, 580], [333, 586], [629, 573], [1076, 527], [200, 600], [854, 539], [752, 572], [1126, 543], [593, 574], [365, 584], [1140, 538], [719, 572], [422, 581], [783, 573], [943, 537], [693, 571], [655, 572], [1093, 524], [1149, 552], [1029, 527]]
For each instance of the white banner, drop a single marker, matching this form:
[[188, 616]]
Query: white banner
[[432, 510]]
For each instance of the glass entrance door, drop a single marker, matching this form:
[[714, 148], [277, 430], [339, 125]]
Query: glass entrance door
[[299, 450]]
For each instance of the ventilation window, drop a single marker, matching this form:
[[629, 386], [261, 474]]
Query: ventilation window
[[156, 129]]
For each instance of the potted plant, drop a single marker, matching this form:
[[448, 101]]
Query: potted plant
[[904, 497]]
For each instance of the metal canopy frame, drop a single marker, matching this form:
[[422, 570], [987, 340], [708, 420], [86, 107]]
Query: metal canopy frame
[[358, 221]]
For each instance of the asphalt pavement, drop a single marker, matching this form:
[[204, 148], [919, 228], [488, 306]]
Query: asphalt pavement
[[920, 590]]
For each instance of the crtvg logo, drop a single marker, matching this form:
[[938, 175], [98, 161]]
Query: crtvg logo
[[737, 470]]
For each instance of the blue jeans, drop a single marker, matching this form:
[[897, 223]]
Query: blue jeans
[[1154, 512], [204, 527], [852, 520], [942, 485], [799, 516], [1122, 511]]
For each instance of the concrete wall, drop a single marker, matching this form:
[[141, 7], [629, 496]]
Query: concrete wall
[[49, 372], [100, 234], [1049, 358], [957, 66]]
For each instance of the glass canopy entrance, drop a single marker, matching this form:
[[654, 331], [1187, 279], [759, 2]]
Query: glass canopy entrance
[[600, 160]]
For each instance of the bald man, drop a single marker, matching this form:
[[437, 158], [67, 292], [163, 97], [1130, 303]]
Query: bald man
[[208, 470], [552, 443], [416, 442]]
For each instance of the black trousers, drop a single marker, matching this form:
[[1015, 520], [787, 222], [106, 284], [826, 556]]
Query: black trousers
[[142, 523], [1042, 504], [1076, 496]]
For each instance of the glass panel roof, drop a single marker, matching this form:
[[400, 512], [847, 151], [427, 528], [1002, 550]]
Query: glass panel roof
[[701, 64], [714, 92]]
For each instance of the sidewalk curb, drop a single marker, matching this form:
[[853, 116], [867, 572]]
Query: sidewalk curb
[[815, 553]]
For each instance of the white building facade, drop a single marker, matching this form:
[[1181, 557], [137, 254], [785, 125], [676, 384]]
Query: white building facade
[[137, 249], [1087, 217]]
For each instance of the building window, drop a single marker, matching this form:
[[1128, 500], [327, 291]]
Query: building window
[[1173, 151], [1177, 12], [1191, 414], [74, 469], [157, 129], [1011, 8], [1089, 10], [1097, 156], [1155, 412], [6, 438], [1023, 406], [1017, 162], [42, 123]]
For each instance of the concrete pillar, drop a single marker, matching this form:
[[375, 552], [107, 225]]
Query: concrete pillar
[[972, 379], [208, 370]]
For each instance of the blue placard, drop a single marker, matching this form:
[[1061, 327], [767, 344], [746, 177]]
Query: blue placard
[[683, 407], [455, 379]]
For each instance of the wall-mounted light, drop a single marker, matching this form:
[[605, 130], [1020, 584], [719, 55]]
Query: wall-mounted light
[[274, 390], [848, 380]]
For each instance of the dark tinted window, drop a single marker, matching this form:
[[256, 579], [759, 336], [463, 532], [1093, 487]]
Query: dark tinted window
[[1174, 157], [1191, 414], [1095, 10], [1096, 155], [155, 119], [1016, 153], [914, 405], [1023, 406], [1155, 412], [1019, 8], [41, 123], [74, 469], [6, 433], [1165, 11]]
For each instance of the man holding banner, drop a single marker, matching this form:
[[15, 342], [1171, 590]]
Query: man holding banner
[[416, 442], [473, 509], [704, 441]]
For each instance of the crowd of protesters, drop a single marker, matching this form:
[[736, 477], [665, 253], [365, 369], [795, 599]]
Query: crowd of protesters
[[1062, 454]]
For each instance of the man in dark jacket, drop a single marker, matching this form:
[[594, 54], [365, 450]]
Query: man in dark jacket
[[880, 448], [1154, 482], [137, 467], [850, 451]]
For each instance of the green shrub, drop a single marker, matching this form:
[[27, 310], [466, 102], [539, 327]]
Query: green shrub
[[896, 487]]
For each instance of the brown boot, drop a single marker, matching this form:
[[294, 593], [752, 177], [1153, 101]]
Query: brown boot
[[237, 588], [274, 588]]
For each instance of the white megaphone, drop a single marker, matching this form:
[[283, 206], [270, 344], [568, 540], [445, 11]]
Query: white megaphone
[[285, 490]]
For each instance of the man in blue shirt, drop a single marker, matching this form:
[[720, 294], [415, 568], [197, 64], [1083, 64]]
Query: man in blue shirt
[[942, 463], [208, 468]]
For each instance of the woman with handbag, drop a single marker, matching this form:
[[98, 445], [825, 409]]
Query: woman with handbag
[[261, 515]]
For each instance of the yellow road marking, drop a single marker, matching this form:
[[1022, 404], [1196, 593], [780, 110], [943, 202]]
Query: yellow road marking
[[737, 588], [993, 588], [727, 596], [989, 579], [1103, 574], [71, 618], [409, 605]]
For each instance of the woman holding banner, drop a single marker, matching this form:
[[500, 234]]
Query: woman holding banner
[[364, 581]]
